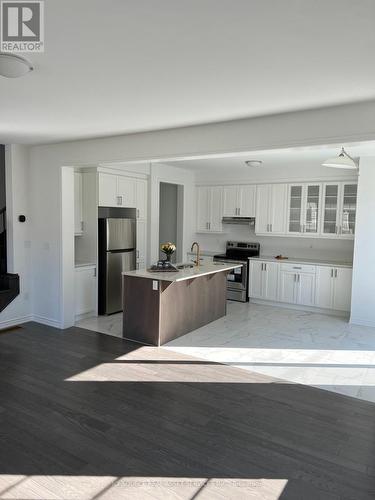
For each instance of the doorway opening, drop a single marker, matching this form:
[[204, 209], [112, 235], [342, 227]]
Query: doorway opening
[[171, 204]]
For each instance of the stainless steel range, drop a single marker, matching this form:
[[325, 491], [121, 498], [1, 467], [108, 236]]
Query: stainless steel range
[[238, 279]]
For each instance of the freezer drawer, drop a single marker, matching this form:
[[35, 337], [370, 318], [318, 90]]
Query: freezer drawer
[[117, 262], [120, 234]]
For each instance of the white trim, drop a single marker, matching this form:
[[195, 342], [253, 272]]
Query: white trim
[[122, 173], [298, 307], [361, 322], [281, 180], [30, 317], [16, 321], [46, 321]]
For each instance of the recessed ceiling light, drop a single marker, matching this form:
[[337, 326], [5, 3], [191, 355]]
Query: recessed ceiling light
[[13, 66], [343, 160], [254, 163]]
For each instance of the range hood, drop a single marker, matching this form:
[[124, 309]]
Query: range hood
[[249, 221]]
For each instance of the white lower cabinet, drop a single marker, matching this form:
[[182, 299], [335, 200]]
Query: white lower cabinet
[[297, 284], [85, 290], [301, 284], [263, 278], [333, 288]]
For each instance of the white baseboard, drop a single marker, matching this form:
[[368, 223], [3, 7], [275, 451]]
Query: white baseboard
[[46, 321], [297, 307], [361, 322], [16, 321]]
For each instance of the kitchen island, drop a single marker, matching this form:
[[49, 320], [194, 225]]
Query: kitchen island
[[161, 306]]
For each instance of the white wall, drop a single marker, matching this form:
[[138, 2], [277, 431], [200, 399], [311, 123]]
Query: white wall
[[308, 248], [363, 290], [18, 233], [322, 126]]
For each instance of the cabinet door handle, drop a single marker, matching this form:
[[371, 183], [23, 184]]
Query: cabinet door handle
[[296, 267], [137, 213], [82, 225], [335, 273], [337, 229], [331, 273], [262, 267], [299, 278], [271, 228], [137, 254], [209, 225], [295, 278], [239, 211]]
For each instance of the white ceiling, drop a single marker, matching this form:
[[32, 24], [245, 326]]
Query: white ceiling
[[277, 159], [119, 66]]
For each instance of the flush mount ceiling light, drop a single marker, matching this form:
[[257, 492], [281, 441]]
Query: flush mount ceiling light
[[254, 163], [343, 160], [13, 66]]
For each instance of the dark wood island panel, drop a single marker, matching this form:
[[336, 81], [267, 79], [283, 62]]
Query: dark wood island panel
[[155, 317]]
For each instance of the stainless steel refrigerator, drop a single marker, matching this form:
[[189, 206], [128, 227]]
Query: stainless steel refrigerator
[[117, 253]]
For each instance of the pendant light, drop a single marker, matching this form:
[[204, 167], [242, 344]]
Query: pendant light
[[13, 66], [343, 160]]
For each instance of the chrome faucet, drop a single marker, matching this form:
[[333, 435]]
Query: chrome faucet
[[198, 255]]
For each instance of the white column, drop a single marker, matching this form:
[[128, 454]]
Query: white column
[[363, 288]]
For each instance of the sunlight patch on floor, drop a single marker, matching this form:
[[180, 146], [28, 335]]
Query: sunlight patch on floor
[[145, 488]]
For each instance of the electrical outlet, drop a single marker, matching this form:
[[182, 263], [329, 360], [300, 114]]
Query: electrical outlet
[[155, 285]]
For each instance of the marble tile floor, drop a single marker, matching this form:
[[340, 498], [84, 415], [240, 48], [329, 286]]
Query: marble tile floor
[[303, 347], [110, 325]]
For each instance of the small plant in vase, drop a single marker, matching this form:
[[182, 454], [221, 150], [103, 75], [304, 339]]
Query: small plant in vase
[[169, 249]]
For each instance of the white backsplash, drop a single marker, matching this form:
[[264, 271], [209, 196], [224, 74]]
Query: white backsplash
[[309, 248]]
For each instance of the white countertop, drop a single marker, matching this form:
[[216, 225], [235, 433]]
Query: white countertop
[[84, 264], [183, 274], [296, 260]]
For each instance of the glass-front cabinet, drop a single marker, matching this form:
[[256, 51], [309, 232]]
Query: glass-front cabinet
[[304, 209], [339, 211], [348, 210], [295, 209]]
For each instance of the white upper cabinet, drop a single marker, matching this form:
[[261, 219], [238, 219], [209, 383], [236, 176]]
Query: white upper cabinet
[[107, 190], [126, 192], [304, 208], [203, 208], [141, 198], [348, 208], [271, 209], [216, 209], [246, 201], [78, 204], [209, 208], [339, 210], [123, 191], [239, 201], [230, 202]]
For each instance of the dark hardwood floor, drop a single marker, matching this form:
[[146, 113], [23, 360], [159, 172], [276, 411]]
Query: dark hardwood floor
[[84, 415]]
